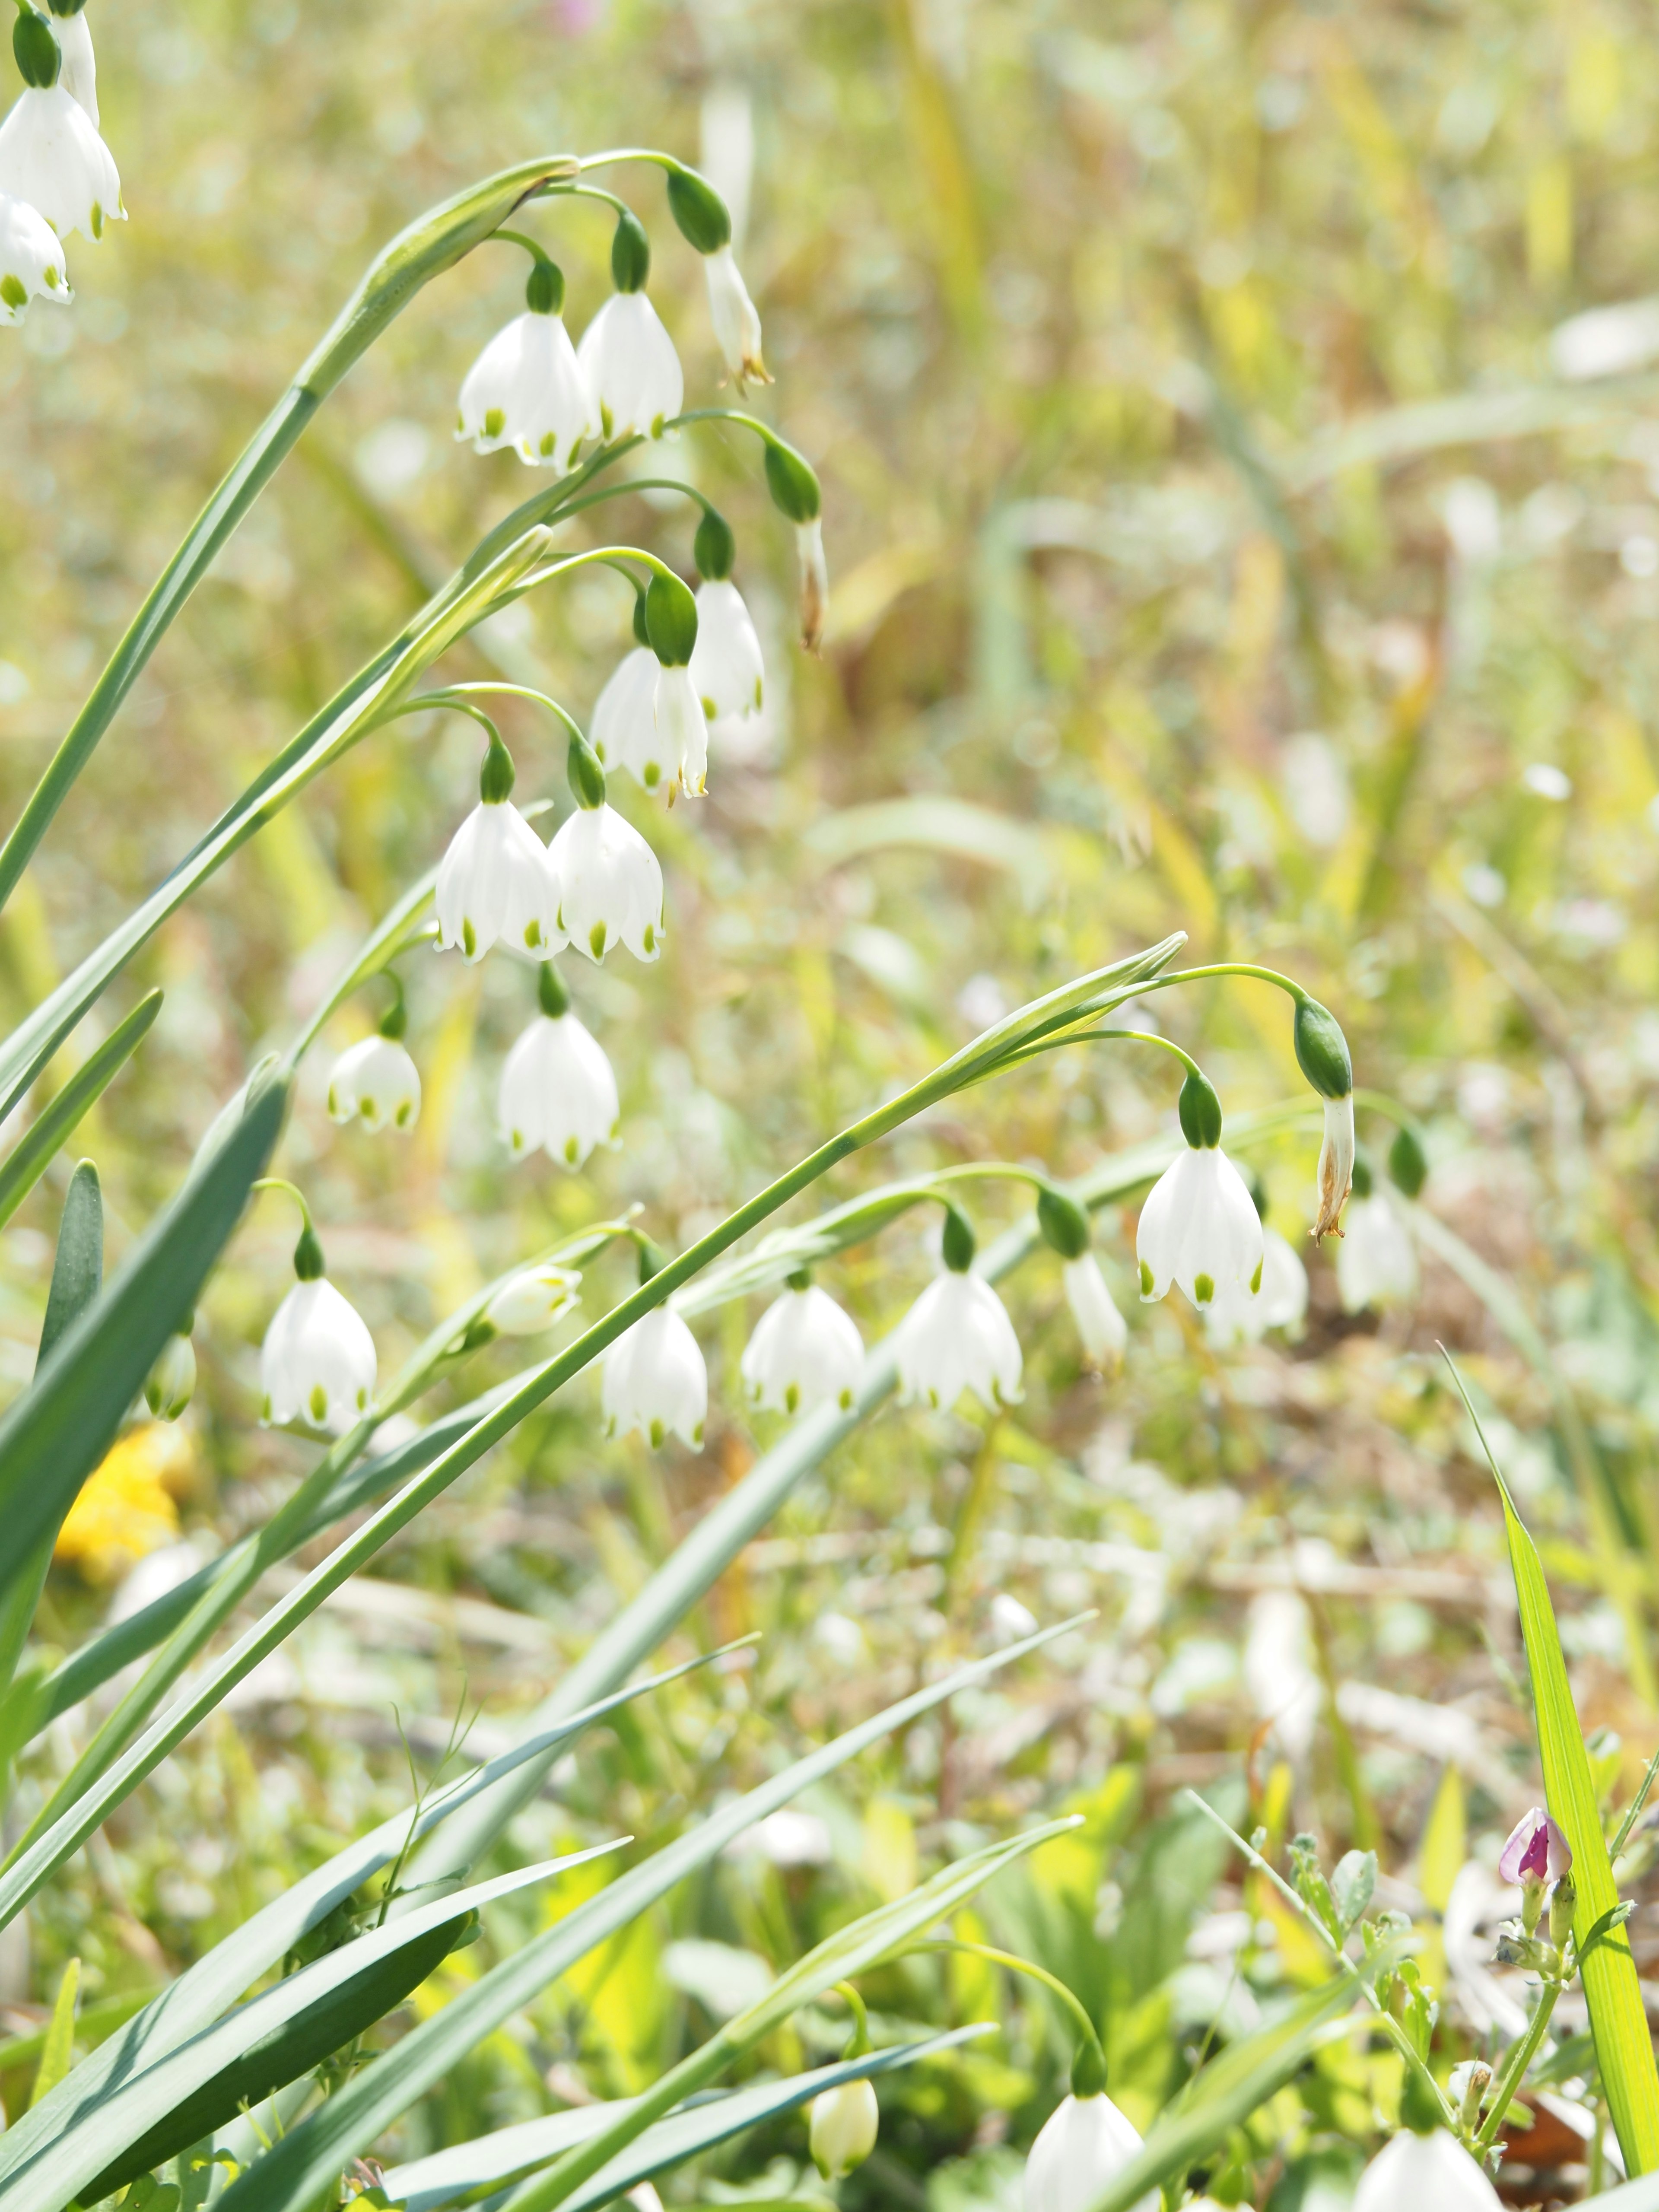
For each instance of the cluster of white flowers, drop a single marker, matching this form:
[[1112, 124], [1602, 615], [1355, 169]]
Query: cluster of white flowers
[[57, 175]]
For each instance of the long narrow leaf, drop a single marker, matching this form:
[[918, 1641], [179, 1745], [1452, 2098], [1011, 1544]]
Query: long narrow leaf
[[310, 2154], [1612, 1991], [23, 1168]]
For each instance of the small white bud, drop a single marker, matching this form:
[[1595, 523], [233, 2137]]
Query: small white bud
[[376, 1083], [171, 1382], [530, 1302], [842, 2128]]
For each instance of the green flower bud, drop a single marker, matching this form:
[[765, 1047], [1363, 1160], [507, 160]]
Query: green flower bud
[[545, 293], [1064, 1224], [1089, 2070], [652, 1259], [496, 776], [1322, 1050], [308, 1256], [394, 1022], [1419, 2108], [792, 482], [1408, 1164], [584, 774], [1201, 1112], [958, 1247], [551, 993], [670, 620], [699, 210], [34, 46], [630, 253], [66, 7], [713, 549], [640, 629]]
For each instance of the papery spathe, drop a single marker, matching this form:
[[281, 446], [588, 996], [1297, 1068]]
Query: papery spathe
[[606, 884], [374, 1082], [558, 1092], [631, 368], [1425, 2173], [814, 582], [737, 323], [1199, 1228], [806, 1351], [32, 264], [316, 1364], [957, 1337], [727, 671], [52, 156], [655, 1382], [1083, 2144], [493, 885]]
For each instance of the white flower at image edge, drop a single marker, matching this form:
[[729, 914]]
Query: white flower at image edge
[[533, 1300], [842, 2128], [957, 1337], [1376, 1262], [630, 367], [493, 883], [52, 156], [606, 884], [376, 1083], [526, 390], [558, 1092], [1199, 1228], [32, 264], [316, 1364], [1101, 1328], [804, 1352], [1425, 2173], [1235, 1316], [655, 1382], [727, 672], [1085, 2142]]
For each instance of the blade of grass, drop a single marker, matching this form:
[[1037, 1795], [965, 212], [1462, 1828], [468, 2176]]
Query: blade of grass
[[24, 1167]]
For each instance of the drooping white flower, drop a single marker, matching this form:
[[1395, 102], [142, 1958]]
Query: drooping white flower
[[1234, 1316], [957, 1337], [1010, 1621], [1425, 2173], [1103, 1331], [1279, 1669], [52, 156], [1376, 1260], [526, 390], [79, 72], [806, 1351], [814, 582], [726, 669], [171, 1383], [1199, 1228], [842, 2128], [1334, 1176], [317, 1366], [557, 1092], [32, 264], [655, 1382], [376, 1083], [681, 732], [1084, 2142], [623, 730], [631, 368], [607, 885], [737, 324], [494, 884], [533, 1300]]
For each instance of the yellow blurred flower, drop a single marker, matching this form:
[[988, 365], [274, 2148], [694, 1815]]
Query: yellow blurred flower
[[126, 1507]]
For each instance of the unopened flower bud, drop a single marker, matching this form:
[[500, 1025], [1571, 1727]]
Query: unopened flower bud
[[35, 50], [528, 1302], [1322, 1050], [171, 1383], [714, 548], [1562, 1898], [842, 2129], [670, 620], [697, 208], [1408, 1165]]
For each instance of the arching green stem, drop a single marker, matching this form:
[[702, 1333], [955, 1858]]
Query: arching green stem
[[281, 1182], [1286, 983], [456, 695], [1069, 1998]]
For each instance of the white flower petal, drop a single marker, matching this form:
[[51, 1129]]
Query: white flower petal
[[655, 1382], [52, 156], [317, 1366], [727, 672], [374, 1082], [1199, 1228], [557, 1092], [1083, 2144], [607, 885], [957, 1337], [804, 1352], [494, 883], [1376, 1260], [737, 324], [631, 366], [32, 264], [1426, 2173], [78, 75]]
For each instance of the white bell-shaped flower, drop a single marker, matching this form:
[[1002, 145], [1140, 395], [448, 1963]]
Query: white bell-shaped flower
[[727, 671], [1235, 1316], [607, 885], [814, 582], [493, 885], [376, 1083], [1334, 1176], [79, 72], [52, 156], [317, 1366], [171, 1383], [1199, 1228], [1425, 2173], [805, 1351], [623, 730], [526, 390], [558, 1093], [842, 2127], [533, 1300], [681, 732], [1102, 1327], [631, 368], [737, 323], [957, 1336], [32, 264], [655, 1382], [1376, 1260], [1083, 2144]]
